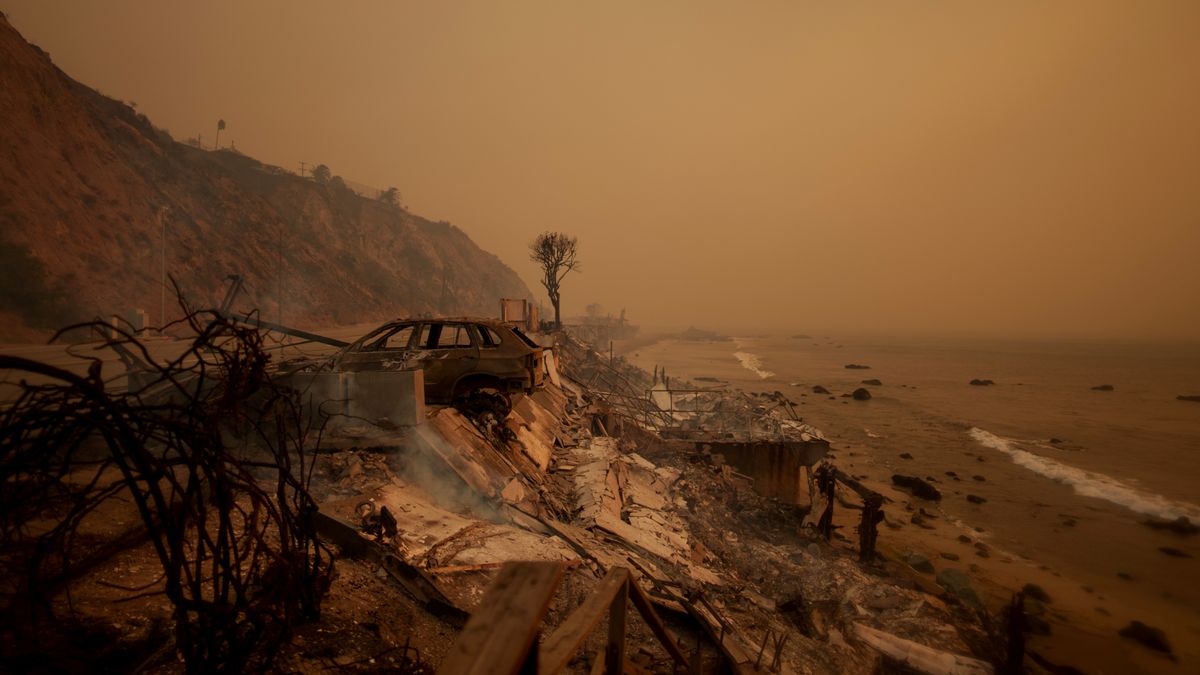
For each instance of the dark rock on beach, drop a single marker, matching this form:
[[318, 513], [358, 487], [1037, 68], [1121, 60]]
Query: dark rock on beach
[[976, 499], [818, 389], [856, 366], [919, 563], [1103, 387], [872, 382], [861, 394], [1193, 399], [906, 455], [918, 520], [981, 383], [1174, 552], [1036, 592], [1148, 636], [958, 584], [1180, 525], [918, 487]]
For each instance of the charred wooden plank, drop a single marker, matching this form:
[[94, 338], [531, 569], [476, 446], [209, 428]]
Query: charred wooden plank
[[566, 639], [415, 581], [646, 608], [501, 633]]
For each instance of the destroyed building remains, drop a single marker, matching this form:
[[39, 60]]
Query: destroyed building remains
[[470, 539]]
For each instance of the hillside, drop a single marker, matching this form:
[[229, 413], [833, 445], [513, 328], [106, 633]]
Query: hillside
[[85, 179]]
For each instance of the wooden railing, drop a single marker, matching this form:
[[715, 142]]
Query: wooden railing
[[502, 635]]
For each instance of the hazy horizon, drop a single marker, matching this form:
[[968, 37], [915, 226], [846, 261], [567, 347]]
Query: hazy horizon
[[1013, 170]]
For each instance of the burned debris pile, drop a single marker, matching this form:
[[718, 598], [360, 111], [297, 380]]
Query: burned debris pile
[[709, 509], [200, 457]]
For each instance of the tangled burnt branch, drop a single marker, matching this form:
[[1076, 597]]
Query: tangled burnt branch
[[208, 450]]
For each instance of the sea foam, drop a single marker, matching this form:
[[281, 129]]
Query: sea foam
[[1088, 483], [752, 363]]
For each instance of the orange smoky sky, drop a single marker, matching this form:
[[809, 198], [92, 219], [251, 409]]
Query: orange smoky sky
[[1002, 168]]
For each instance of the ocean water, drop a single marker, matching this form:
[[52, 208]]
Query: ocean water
[[1069, 473], [1085, 483]]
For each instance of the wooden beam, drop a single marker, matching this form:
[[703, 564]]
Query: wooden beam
[[597, 663], [416, 582], [566, 639], [455, 569], [500, 634], [646, 608], [850, 482], [919, 657], [614, 652], [736, 655]]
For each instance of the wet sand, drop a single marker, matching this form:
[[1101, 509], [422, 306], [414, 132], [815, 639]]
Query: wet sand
[[1036, 530]]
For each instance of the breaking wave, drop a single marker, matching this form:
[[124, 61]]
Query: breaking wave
[[752, 363], [1088, 483]]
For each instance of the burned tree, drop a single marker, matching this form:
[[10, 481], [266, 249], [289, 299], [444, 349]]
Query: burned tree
[[555, 253]]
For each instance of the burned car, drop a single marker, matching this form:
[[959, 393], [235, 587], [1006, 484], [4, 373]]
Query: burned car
[[461, 357]]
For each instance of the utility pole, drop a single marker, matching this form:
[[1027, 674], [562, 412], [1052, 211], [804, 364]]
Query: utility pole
[[302, 169], [279, 271], [162, 306]]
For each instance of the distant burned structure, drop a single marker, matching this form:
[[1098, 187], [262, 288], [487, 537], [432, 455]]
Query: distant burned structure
[[759, 435]]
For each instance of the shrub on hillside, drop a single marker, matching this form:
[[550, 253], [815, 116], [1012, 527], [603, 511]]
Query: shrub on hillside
[[27, 290]]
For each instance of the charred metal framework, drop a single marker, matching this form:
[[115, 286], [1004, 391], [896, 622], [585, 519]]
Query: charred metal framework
[[208, 450]]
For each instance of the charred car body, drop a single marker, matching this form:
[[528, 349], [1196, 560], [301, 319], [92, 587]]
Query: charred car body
[[461, 357]]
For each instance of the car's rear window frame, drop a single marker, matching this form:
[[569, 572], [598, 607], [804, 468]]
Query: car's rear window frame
[[525, 338]]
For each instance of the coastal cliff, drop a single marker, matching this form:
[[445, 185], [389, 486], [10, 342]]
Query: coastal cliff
[[95, 201]]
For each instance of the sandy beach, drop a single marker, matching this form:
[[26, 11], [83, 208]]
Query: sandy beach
[[1078, 536]]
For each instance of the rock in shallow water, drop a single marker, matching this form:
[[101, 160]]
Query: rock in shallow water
[[1180, 525], [982, 383]]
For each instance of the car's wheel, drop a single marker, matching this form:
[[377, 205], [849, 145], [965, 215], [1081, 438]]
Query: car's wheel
[[482, 398]]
